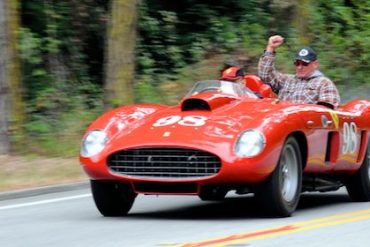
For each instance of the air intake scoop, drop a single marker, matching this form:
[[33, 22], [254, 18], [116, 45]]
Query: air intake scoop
[[206, 102]]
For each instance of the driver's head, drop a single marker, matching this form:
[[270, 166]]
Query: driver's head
[[306, 62], [233, 74]]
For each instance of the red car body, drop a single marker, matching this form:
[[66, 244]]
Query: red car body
[[190, 148]]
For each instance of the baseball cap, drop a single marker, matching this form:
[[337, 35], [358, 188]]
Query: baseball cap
[[232, 74], [306, 54]]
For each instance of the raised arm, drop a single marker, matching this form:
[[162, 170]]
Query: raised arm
[[266, 66]]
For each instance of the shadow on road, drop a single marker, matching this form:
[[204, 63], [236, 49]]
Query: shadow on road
[[240, 207], [314, 200]]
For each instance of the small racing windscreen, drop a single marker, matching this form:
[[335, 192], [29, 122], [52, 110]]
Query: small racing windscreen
[[216, 86]]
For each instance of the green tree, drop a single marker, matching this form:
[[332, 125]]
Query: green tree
[[174, 43], [62, 50]]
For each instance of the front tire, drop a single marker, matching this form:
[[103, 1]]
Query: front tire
[[112, 198], [279, 194], [358, 185]]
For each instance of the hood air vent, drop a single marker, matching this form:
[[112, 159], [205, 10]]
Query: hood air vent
[[195, 104]]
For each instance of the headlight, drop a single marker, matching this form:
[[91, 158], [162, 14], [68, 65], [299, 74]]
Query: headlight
[[250, 143], [93, 143]]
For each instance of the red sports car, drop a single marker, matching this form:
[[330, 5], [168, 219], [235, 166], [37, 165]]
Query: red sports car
[[224, 136]]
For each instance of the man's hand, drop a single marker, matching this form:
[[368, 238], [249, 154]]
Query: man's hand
[[274, 42]]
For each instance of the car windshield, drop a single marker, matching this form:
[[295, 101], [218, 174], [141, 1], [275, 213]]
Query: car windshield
[[227, 87]]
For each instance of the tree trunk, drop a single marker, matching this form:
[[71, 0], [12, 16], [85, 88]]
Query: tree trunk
[[4, 87], [120, 53], [301, 21], [11, 94]]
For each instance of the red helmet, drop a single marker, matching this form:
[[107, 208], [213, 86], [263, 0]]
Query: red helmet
[[232, 74]]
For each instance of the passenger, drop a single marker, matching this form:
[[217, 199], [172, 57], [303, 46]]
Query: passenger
[[233, 74], [308, 85]]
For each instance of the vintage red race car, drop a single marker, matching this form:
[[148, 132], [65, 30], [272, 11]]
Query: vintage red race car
[[223, 136]]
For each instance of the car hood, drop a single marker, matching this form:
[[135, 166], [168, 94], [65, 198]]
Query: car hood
[[217, 125]]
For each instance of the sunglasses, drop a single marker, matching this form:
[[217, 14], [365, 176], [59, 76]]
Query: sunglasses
[[297, 63]]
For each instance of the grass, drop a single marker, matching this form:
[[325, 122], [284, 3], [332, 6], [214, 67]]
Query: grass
[[24, 172]]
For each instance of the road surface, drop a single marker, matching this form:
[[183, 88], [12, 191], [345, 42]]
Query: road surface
[[70, 219]]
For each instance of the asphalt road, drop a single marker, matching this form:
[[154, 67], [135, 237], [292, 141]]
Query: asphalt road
[[70, 219]]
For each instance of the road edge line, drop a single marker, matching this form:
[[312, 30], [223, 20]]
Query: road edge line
[[9, 195]]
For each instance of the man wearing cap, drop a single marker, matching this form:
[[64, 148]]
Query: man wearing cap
[[308, 85]]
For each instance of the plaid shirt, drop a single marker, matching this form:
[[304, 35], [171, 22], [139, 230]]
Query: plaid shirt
[[316, 88]]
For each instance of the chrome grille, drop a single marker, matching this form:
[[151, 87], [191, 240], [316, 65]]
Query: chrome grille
[[164, 163]]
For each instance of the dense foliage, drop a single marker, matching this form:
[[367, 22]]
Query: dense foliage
[[62, 45]]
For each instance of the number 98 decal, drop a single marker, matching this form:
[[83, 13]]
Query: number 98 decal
[[349, 138], [192, 121]]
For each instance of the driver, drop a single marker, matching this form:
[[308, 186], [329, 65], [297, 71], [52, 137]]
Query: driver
[[308, 85]]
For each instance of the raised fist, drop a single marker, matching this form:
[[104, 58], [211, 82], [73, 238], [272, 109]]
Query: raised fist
[[274, 42]]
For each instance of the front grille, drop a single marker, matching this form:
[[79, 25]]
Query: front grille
[[164, 163]]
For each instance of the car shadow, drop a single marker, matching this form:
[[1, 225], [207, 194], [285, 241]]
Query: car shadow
[[240, 207], [234, 207], [315, 200]]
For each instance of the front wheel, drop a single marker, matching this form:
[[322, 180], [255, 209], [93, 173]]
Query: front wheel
[[358, 185], [279, 194], [112, 198]]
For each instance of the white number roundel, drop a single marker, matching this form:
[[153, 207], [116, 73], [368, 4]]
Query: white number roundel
[[349, 138], [193, 121], [166, 121]]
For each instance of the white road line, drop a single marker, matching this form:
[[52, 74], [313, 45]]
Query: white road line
[[45, 201]]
